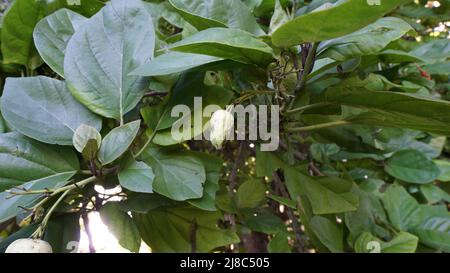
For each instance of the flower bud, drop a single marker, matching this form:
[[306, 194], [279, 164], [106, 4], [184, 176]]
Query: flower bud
[[221, 125], [29, 246]]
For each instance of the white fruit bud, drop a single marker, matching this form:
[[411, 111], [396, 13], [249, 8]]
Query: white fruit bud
[[29, 246], [221, 124]]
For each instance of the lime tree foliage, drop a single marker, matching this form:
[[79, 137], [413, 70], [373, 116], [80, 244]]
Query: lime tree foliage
[[363, 88]]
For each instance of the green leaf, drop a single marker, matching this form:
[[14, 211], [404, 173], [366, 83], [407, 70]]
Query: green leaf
[[136, 176], [433, 51], [279, 17], [213, 166], [42, 108], [364, 219], [144, 202], [393, 109], [83, 7], [82, 137], [328, 232], [435, 232], [366, 41], [342, 18], [267, 163], [23, 160], [327, 195], [10, 207], [17, 33], [102, 53], [63, 233], [217, 13], [403, 242], [251, 193], [171, 230], [121, 225], [279, 243], [402, 209], [117, 142], [174, 62], [264, 221], [177, 176], [434, 194], [52, 34], [412, 166], [233, 44], [444, 166], [3, 127]]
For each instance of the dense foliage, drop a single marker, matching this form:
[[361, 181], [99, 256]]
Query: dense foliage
[[363, 89]]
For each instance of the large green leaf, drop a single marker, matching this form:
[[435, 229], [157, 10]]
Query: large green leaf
[[177, 176], [435, 232], [342, 18], [102, 53], [233, 44], [412, 166], [136, 176], [327, 195], [394, 109], [217, 13], [17, 32], [10, 207], [364, 219], [174, 62], [121, 225], [369, 40], [172, 230], [213, 166], [52, 34], [433, 51], [117, 142], [402, 209], [42, 108], [23, 160]]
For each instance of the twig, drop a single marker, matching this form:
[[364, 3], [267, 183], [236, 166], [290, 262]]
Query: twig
[[156, 94], [314, 169], [40, 231], [308, 107], [290, 212], [307, 68], [300, 156], [318, 126], [234, 170], [155, 131]]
